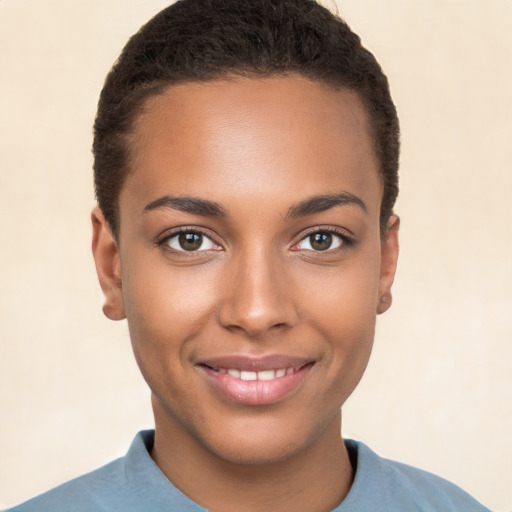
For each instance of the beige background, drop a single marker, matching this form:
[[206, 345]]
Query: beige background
[[438, 392]]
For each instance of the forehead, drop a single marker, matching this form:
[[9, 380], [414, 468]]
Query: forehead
[[245, 136]]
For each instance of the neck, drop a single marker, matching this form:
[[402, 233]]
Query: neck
[[315, 479]]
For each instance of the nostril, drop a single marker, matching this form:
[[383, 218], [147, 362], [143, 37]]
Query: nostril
[[281, 325]]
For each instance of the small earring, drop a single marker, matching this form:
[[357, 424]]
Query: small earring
[[384, 298]]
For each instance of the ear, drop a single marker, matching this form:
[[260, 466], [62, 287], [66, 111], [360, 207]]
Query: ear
[[388, 261], [108, 265]]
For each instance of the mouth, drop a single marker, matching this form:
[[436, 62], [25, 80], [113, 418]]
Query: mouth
[[250, 375], [260, 381]]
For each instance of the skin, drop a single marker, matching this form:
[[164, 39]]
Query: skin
[[257, 148]]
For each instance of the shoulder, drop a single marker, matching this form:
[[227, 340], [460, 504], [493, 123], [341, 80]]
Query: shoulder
[[388, 485], [106, 488], [80, 494], [131, 484]]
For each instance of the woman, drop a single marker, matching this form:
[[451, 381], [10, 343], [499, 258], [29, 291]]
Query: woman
[[246, 158]]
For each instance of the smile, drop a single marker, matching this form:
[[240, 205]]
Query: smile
[[255, 382], [262, 375]]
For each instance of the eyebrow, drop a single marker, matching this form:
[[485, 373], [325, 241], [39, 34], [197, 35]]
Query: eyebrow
[[207, 208], [324, 202], [194, 205]]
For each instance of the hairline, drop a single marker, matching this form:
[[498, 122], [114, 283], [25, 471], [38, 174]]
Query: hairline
[[157, 88]]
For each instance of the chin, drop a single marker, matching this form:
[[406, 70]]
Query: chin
[[260, 441], [243, 452]]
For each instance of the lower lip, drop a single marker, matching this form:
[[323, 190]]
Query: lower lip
[[256, 392]]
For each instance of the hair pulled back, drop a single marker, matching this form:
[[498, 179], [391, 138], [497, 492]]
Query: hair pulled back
[[203, 40]]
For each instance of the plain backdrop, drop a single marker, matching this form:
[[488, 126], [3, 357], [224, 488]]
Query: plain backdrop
[[438, 391]]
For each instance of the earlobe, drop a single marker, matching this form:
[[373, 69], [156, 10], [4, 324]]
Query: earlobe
[[108, 265], [389, 259]]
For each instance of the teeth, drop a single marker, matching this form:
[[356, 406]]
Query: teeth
[[248, 375], [267, 375], [263, 375]]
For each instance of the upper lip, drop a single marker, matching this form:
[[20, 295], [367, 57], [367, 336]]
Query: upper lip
[[256, 364]]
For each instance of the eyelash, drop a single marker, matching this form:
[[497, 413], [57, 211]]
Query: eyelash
[[166, 238], [345, 241]]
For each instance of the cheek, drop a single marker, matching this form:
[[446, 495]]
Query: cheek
[[165, 308], [342, 306], [345, 297]]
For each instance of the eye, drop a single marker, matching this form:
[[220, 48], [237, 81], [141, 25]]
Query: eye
[[190, 241], [321, 241]]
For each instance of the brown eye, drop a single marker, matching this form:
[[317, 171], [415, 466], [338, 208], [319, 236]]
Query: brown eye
[[190, 241], [321, 241]]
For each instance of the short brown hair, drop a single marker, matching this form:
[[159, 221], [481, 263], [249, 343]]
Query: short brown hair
[[203, 40]]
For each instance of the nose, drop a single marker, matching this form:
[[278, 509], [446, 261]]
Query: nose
[[260, 296]]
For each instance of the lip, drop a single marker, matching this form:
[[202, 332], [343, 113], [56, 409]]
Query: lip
[[255, 392]]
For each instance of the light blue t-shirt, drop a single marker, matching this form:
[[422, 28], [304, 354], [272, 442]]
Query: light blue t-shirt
[[135, 484]]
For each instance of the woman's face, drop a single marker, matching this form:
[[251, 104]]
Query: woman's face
[[250, 264]]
